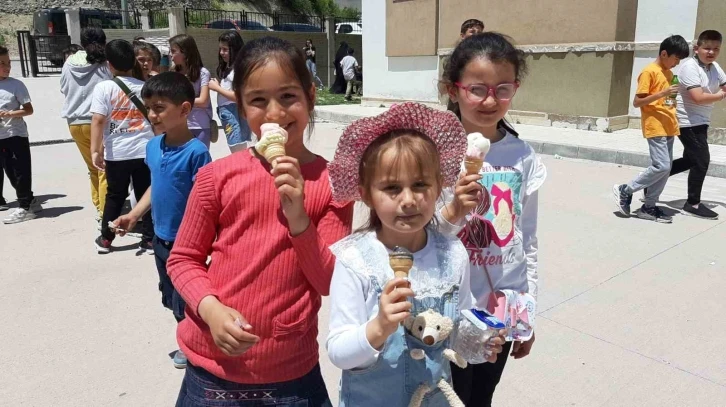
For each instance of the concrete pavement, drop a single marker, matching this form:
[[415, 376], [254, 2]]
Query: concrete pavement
[[628, 308]]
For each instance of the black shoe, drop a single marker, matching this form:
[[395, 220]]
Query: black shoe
[[103, 245], [655, 214], [145, 246], [622, 199], [700, 211]]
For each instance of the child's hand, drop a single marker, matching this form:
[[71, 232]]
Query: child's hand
[[494, 346], [229, 328], [393, 309], [98, 161], [466, 193], [214, 85], [522, 349], [125, 224], [671, 91], [290, 186]]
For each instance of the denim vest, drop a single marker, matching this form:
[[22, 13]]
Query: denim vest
[[392, 380]]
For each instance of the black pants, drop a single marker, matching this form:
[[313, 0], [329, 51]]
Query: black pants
[[475, 385], [119, 175], [696, 158], [15, 161]]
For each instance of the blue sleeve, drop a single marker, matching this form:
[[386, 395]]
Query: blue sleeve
[[200, 160]]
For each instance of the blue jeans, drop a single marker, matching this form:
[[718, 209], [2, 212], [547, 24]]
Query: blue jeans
[[314, 72], [236, 129], [202, 389], [170, 298], [204, 135]]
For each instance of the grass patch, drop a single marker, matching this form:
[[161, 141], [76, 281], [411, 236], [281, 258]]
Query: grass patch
[[325, 98], [2, 40]]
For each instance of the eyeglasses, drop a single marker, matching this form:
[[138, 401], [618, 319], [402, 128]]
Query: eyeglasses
[[478, 93]]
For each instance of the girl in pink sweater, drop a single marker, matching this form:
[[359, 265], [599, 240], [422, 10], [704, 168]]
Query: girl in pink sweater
[[251, 329]]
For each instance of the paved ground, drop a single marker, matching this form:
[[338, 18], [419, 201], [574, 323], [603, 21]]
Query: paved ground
[[627, 317]]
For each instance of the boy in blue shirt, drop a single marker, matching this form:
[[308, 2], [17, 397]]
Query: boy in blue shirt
[[174, 158]]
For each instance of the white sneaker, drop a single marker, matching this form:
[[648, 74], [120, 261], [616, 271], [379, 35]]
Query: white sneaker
[[20, 215]]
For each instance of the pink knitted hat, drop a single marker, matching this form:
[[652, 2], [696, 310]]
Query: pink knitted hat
[[442, 127]]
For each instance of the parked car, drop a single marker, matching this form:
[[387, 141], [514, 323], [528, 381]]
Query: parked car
[[229, 24], [349, 27], [297, 27]]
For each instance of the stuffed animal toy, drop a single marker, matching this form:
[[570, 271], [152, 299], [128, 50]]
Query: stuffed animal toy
[[430, 327]]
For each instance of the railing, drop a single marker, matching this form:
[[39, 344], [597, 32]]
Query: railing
[[242, 20], [111, 18], [158, 19]]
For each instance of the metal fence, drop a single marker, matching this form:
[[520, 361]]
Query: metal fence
[[41, 54], [111, 18], [243, 20], [158, 19]]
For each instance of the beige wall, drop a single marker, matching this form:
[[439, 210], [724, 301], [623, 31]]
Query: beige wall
[[129, 35], [207, 41], [411, 27], [576, 84], [542, 22], [712, 16]]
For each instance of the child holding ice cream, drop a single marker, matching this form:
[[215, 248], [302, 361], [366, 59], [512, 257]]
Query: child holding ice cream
[[251, 312], [493, 209], [397, 164]]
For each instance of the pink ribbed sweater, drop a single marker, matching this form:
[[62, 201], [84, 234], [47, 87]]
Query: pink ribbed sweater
[[273, 279]]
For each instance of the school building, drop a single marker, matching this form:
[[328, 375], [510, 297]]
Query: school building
[[584, 55]]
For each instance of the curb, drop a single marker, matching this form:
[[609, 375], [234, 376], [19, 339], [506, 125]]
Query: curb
[[717, 170]]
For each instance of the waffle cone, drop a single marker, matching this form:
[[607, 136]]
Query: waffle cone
[[473, 165], [401, 267], [274, 151]]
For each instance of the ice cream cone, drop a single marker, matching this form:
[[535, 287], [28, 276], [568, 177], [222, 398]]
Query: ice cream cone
[[401, 261], [473, 165], [274, 151]]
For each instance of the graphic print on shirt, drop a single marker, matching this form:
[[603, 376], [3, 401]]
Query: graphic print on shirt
[[123, 111], [490, 235]]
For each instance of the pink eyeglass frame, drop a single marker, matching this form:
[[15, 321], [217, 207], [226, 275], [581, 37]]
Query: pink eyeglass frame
[[491, 91]]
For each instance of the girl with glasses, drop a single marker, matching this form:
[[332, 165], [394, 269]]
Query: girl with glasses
[[493, 212]]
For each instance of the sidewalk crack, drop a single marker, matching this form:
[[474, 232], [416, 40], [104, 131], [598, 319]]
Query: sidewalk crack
[[660, 361], [629, 268]]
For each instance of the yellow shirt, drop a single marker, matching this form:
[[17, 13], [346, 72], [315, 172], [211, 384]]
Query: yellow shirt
[[657, 119]]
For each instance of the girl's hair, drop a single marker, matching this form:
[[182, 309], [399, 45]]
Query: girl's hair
[[188, 47], [489, 45], [93, 41], [235, 44], [261, 51], [412, 148]]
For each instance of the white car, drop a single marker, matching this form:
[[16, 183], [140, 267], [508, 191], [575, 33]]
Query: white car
[[349, 27]]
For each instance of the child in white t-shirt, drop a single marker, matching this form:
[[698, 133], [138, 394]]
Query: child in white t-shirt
[[349, 65], [119, 134]]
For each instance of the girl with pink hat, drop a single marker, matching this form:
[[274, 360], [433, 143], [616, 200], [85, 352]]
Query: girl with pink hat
[[397, 164]]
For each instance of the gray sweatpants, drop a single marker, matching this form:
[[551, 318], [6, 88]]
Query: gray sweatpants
[[656, 176]]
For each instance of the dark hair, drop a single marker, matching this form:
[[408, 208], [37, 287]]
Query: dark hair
[[72, 49], [3, 51], [188, 47], [709, 35], [473, 22], [142, 46], [169, 85], [675, 45], [139, 38], [490, 45], [235, 44], [93, 40], [261, 51], [120, 54], [351, 51], [410, 147]]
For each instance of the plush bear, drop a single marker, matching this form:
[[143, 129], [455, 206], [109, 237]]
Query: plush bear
[[431, 327]]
